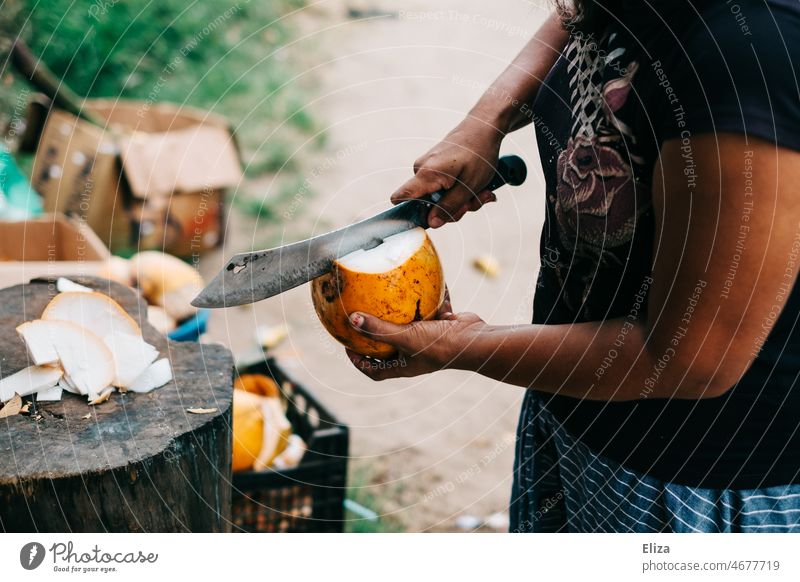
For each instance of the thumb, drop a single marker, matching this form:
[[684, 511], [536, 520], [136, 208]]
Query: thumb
[[378, 329]]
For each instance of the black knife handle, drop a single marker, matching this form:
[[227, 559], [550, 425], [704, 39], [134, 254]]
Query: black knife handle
[[510, 170]]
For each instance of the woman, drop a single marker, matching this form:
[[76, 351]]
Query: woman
[[663, 355]]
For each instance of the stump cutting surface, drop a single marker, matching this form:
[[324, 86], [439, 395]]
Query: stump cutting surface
[[139, 462]]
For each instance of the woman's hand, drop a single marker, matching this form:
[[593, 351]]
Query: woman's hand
[[462, 164], [423, 346]]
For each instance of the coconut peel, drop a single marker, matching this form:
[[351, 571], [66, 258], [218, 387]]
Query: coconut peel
[[102, 397], [38, 339], [65, 285], [94, 311], [156, 375], [29, 381], [276, 432], [132, 356], [50, 394], [86, 344], [12, 407]]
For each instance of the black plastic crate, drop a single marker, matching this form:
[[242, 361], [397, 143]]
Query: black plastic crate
[[309, 497]]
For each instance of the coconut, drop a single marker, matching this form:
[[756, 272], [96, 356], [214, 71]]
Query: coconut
[[400, 281], [158, 318], [117, 269], [248, 429], [132, 356], [276, 432], [93, 311], [38, 339], [168, 282], [155, 375], [87, 362], [50, 394], [65, 285], [67, 386], [29, 381], [261, 431]]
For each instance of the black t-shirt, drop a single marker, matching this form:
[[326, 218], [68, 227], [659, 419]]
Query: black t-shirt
[[668, 69]]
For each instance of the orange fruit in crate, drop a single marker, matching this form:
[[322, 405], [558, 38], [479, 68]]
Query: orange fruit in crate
[[258, 384], [261, 430], [400, 280], [248, 429]]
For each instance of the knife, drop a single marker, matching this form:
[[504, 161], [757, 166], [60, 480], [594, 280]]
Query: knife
[[251, 277]]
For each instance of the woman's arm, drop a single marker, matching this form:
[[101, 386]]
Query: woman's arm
[[506, 104], [463, 163], [726, 255]]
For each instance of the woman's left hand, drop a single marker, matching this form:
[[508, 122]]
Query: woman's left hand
[[423, 346]]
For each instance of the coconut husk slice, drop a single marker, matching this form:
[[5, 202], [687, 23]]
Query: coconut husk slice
[[201, 410], [103, 397], [12, 407], [29, 381]]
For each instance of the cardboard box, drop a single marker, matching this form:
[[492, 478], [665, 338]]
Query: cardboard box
[[154, 178], [48, 246]]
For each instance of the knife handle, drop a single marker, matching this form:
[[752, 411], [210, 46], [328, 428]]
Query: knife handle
[[510, 170]]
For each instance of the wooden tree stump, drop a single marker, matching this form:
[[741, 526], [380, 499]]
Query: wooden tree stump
[[139, 462]]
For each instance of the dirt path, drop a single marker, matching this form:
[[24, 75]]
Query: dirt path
[[439, 446]]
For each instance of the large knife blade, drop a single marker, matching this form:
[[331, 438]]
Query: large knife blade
[[251, 277]]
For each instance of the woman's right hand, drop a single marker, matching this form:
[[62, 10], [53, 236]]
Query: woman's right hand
[[462, 164]]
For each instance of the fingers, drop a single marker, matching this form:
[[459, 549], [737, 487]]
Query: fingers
[[451, 207], [375, 328], [482, 198], [457, 201], [472, 202], [380, 369], [423, 183]]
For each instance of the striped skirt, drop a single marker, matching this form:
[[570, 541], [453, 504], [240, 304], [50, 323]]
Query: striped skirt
[[561, 485]]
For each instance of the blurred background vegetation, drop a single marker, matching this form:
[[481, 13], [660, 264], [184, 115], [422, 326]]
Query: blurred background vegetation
[[227, 56]]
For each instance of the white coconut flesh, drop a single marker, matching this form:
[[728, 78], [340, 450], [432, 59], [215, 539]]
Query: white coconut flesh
[[156, 375], [132, 356], [49, 394], [65, 285], [393, 252], [87, 361], [67, 386], [29, 381], [93, 311], [39, 340], [276, 427], [85, 344]]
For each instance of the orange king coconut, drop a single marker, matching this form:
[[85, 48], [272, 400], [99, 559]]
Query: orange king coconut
[[400, 281]]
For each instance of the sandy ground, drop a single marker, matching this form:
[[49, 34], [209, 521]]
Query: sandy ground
[[437, 447]]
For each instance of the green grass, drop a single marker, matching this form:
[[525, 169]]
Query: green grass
[[271, 208], [227, 56], [363, 490]]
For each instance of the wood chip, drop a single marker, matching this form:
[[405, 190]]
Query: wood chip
[[87, 416], [12, 407], [269, 336], [201, 410], [25, 409], [487, 265], [103, 397]]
